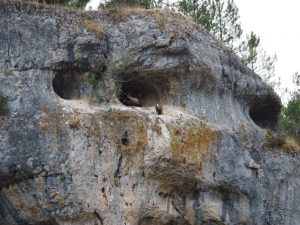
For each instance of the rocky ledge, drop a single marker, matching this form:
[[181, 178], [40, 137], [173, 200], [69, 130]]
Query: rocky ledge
[[73, 149]]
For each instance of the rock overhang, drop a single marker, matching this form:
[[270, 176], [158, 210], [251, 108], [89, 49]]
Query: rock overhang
[[178, 48]]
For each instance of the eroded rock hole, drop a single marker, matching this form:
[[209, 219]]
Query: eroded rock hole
[[265, 113], [125, 138], [72, 84], [139, 92]]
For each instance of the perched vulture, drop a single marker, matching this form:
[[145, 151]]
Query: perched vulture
[[131, 101], [159, 108]]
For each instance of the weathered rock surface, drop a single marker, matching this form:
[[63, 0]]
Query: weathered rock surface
[[67, 161]]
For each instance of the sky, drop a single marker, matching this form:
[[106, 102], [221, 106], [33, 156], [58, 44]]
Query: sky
[[93, 4], [276, 22]]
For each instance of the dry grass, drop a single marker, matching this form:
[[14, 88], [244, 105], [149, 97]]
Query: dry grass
[[73, 26], [120, 14], [44, 126], [2, 125], [53, 5], [123, 13], [162, 23], [291, 146], [245, 132], [44, 109], [93, 27], [279, 141], [8, 72], [156, 127], [75, 123], [273, 140], [165, 18]]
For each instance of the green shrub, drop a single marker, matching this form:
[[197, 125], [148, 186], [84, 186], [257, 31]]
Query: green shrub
[[108, 87], [280, 141], [274, 140]]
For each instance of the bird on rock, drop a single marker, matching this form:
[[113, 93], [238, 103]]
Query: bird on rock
[[159, 108]]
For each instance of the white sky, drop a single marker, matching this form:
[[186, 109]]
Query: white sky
[[93, 4], [277, 24]]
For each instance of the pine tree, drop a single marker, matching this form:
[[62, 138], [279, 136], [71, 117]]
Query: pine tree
[[290, 115], [201, 12], [257, 58], [248, 49], [219, 17], [227, 26]]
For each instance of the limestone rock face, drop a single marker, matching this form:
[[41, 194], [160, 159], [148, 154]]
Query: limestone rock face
[[67, 159]]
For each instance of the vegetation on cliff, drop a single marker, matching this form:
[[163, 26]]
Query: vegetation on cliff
[[220, 18], [71, 3]]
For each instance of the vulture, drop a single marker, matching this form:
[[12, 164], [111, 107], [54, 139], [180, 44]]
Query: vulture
[[131, 101], [159, 108]]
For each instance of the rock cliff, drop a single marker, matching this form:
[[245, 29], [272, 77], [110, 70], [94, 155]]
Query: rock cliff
[[73, 151]]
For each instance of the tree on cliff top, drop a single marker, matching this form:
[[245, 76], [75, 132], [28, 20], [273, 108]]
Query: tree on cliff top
[[257, 59], [221, 18], [248, 49]]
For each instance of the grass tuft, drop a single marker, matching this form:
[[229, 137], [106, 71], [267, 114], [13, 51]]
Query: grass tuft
[[273, 140], [93, 27], [8, 72], [75, 123], [291, 146], [279, 141]]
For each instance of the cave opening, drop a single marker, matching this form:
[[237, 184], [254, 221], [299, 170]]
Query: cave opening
[[139, 92], [265, 113], [72, 84]]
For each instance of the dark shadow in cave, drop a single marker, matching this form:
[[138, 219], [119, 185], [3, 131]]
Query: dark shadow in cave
[[72, 84], [142, 89], [265, 113]]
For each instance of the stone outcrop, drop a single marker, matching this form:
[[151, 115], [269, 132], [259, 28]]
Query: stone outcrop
[[67, 159]]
